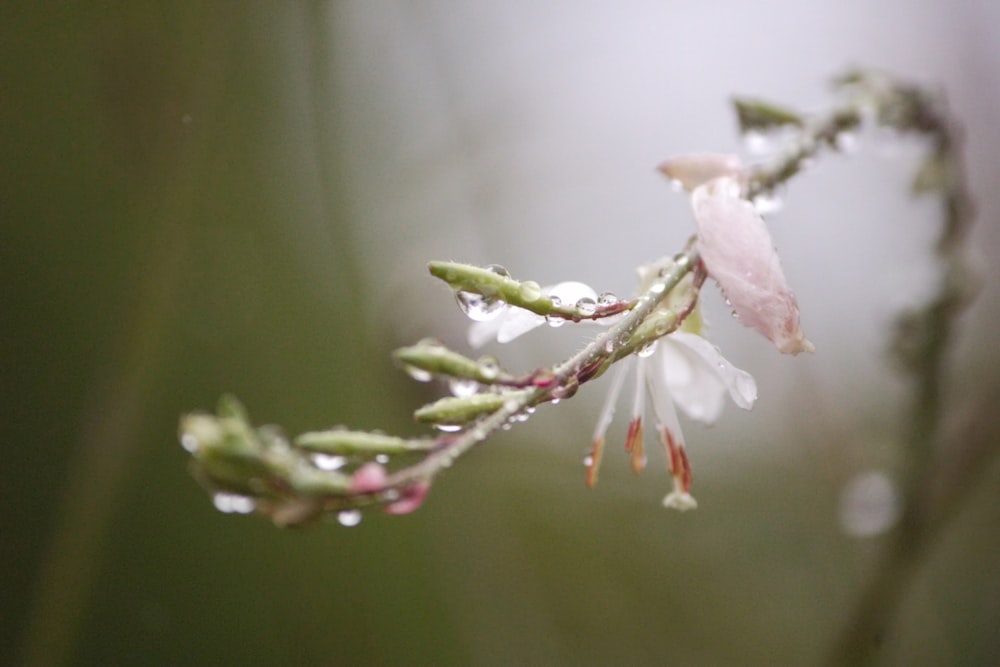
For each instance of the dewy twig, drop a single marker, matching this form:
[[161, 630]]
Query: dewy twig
[[340, 472]]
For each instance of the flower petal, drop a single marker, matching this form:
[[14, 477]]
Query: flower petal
[[737, 250], [693, 384], [741, 385]]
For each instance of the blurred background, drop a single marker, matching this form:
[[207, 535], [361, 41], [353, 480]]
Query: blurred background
[[242, 196]]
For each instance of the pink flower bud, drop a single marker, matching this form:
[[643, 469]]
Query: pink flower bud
[[412, 498], [737, 250], [690, 171], [368, 478]]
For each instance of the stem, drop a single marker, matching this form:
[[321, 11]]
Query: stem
[[567, 378]]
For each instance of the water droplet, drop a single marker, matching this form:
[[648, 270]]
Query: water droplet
[[329, 461], [554, 321], [847, 142], [647, 350], [489, 367], [607, 299], [757, 143], [418, 374], [499, 270], [463, 387], [555, 400], [233, 503], [657, 288], [189, 442], [676, 184], [531, 291], [609, 345], [586, 306], [477, 307], [349, 518], [382, 458], [588, 460], [448, 428], [768, 202]]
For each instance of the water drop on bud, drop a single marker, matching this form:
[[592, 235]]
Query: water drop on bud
[[607, 299], [478, 307], [586, 306]]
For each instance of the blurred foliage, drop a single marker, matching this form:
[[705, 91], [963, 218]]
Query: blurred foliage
[[161, 184]]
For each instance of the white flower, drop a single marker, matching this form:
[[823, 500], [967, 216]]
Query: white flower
[[682, 370]]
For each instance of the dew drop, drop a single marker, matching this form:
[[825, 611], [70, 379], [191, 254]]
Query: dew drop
[[647, 350], [329, 461], [531, 291], [586, 306], [757, 143], [588, 460], [349, 518], [499, 270], [609, 345], [607, 299], [382, 458], [554, 321], [477, 307], [448, 428], [418, 374], [189, 442], [768, 202], [463, 387], [657, 288], [233, 503], [847, 142], [676, 184], [489, 367]]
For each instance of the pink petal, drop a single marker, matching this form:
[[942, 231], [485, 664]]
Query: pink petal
[[737, 250]]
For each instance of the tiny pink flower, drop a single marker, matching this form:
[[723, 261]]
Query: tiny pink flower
[[737, 251]]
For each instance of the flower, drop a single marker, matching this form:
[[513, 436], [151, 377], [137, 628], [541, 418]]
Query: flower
[[682, 369], [736, 247], [738, 252]]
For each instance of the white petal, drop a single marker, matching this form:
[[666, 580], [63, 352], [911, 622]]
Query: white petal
[[741, 385], [694, 385], [517, 322], [480, 333]]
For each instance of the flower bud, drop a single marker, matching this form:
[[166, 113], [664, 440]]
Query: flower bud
[[737, 251]]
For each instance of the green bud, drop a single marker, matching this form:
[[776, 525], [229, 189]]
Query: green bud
[[453, 410], [493, 284], [363, 443], [437, 359], [760, 116]]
